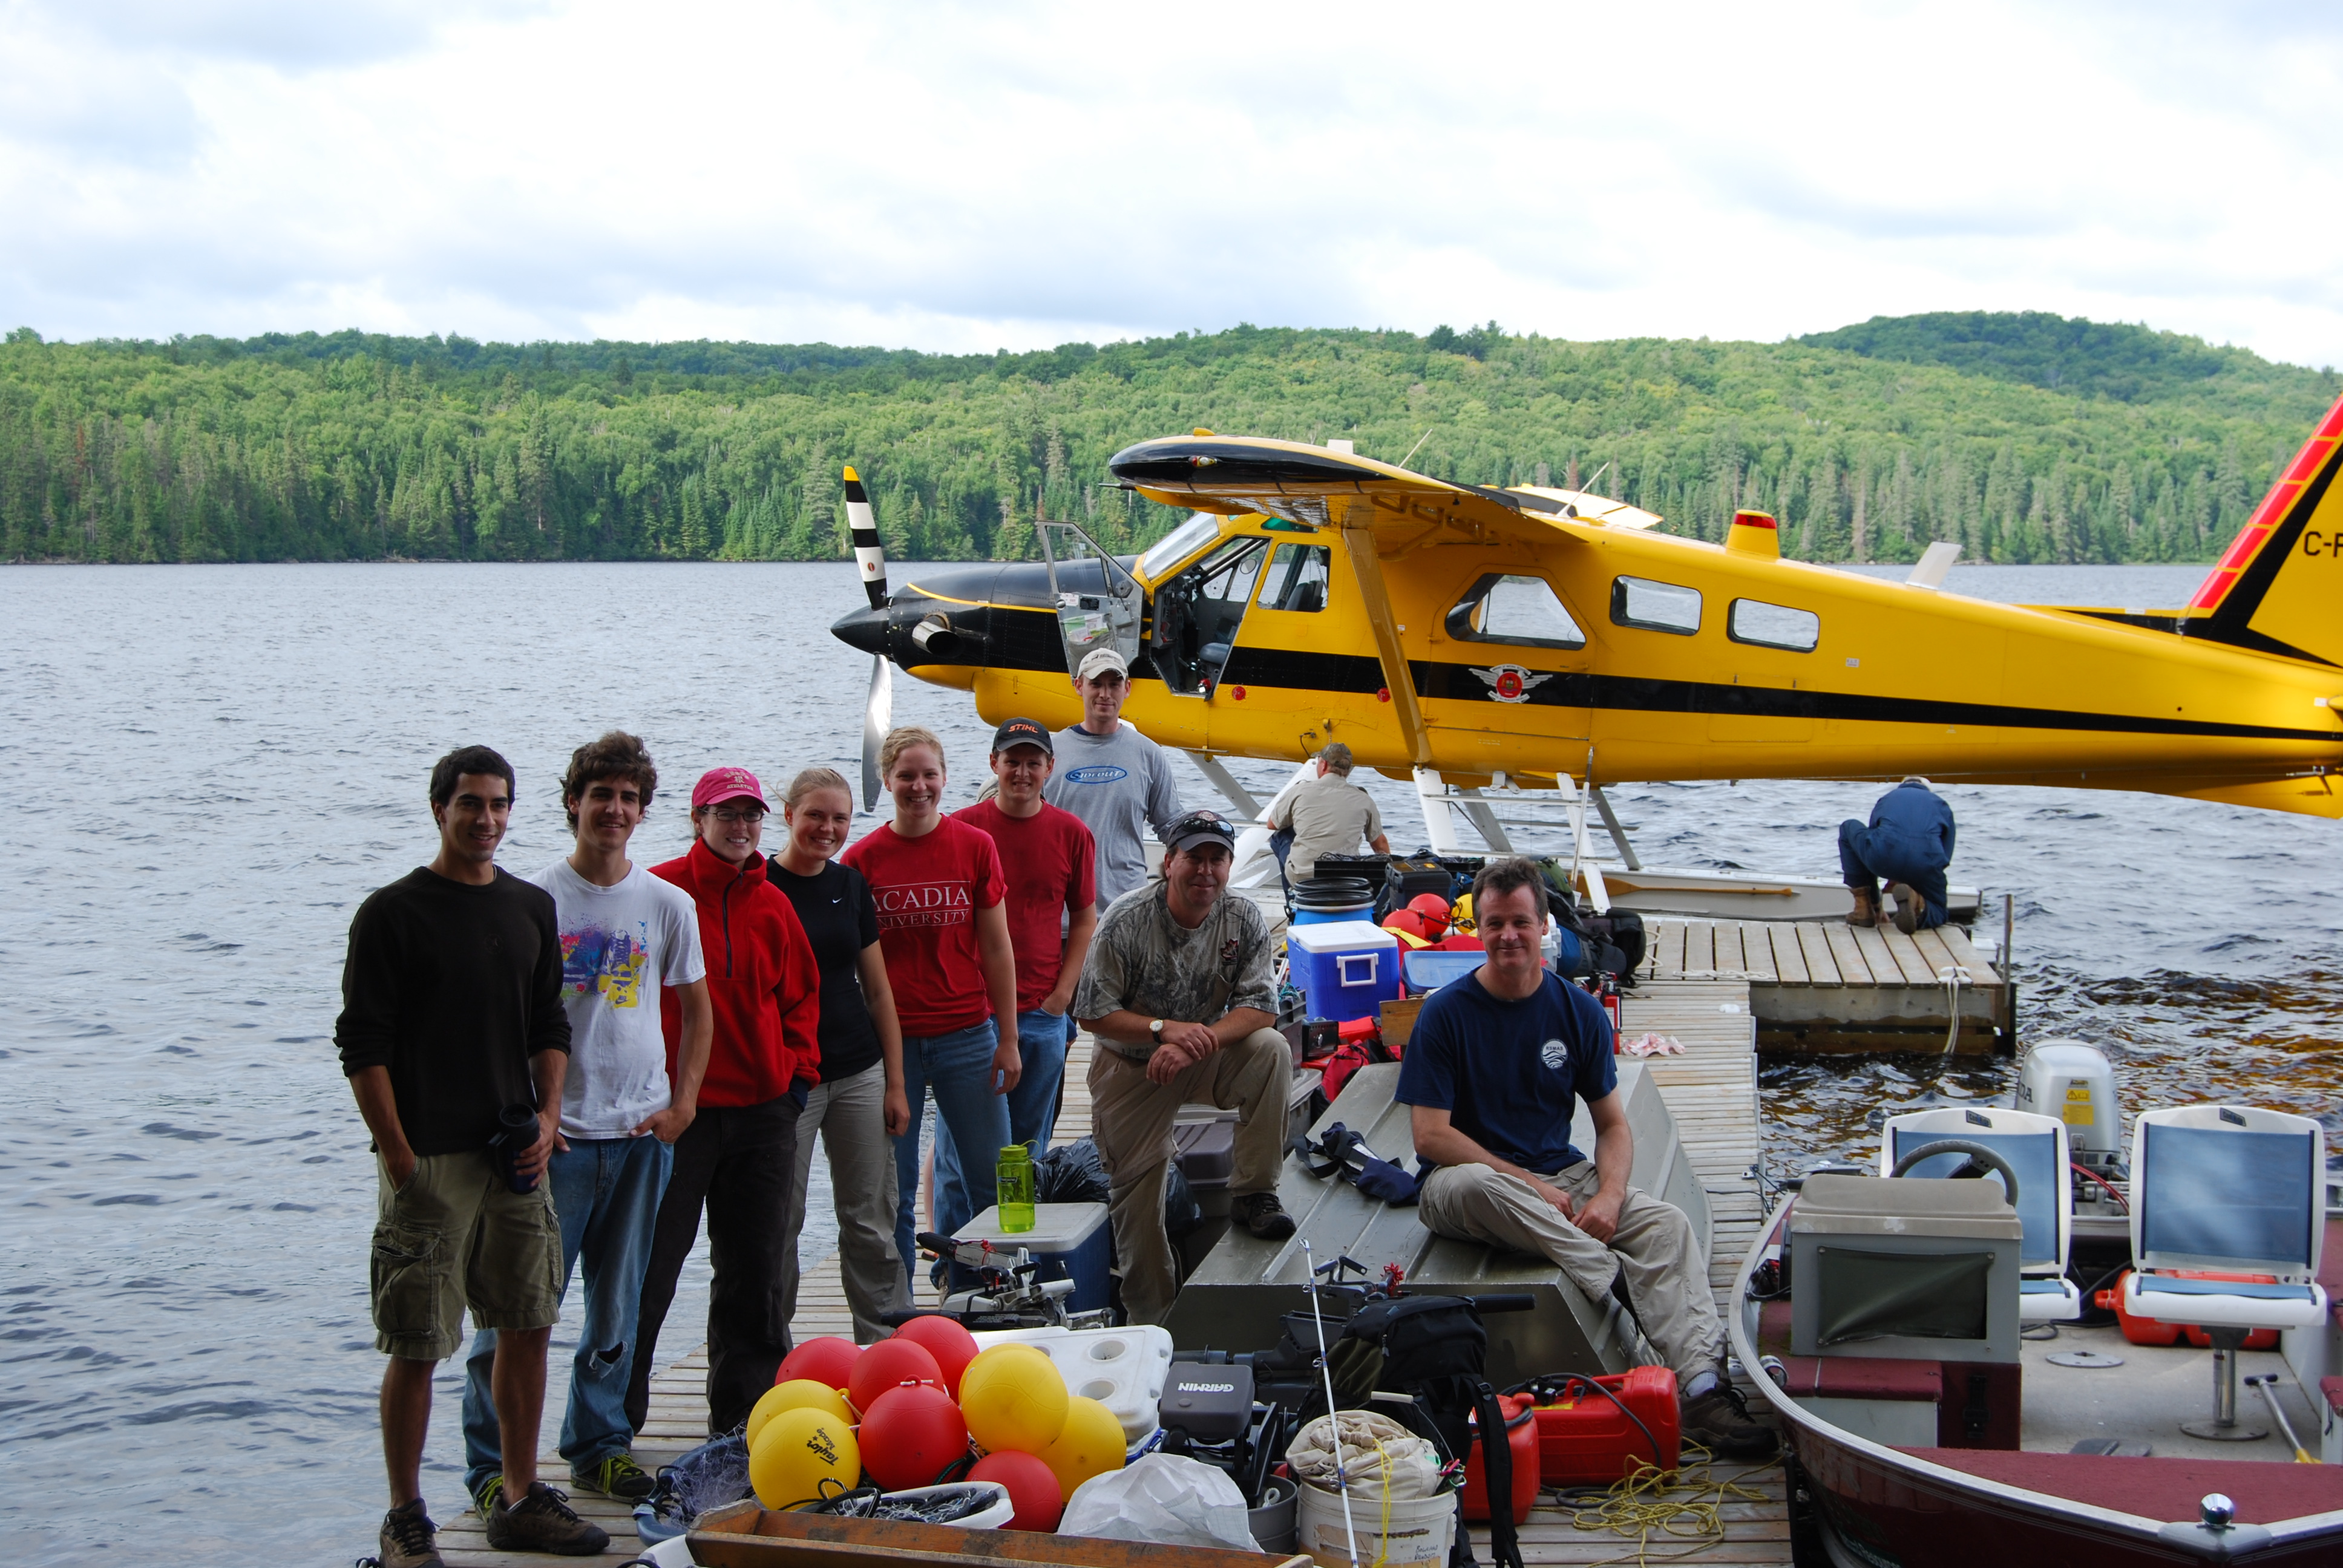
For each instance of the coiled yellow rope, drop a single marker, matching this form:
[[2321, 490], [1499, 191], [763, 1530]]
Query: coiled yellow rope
[[1686, 1505]]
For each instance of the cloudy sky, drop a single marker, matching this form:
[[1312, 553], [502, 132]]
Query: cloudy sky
[[977, 176]]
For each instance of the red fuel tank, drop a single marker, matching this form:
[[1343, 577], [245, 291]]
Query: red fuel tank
[[1521, 1436], [1587, 1439]]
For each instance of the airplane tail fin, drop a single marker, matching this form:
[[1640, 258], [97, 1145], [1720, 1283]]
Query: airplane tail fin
[[2278, 587]]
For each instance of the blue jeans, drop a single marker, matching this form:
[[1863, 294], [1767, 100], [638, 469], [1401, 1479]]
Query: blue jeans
[[1868, 854], [1032, 1104], [959, 1065], [605, 1193]]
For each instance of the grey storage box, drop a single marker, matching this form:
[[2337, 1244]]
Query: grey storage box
[[1926, 1271]]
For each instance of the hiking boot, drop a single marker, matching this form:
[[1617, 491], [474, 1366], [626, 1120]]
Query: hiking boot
[[1719, 1421], [1865, 912], [617, 1476], [1908, 907], [544, 1521], [1263, 1216], [484, 1501], [407, 1538]]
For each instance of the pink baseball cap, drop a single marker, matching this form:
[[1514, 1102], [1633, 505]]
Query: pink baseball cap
[[718, 785]]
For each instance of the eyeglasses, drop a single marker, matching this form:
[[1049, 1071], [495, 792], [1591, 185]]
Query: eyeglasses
[[728, 815]]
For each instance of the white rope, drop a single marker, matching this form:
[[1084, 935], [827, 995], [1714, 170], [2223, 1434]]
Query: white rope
[[1952, 975]]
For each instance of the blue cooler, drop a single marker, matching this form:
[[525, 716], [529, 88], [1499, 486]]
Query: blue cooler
[[1069, 1240], [1348, 968]]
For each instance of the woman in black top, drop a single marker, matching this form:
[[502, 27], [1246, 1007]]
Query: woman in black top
[[859, 1106]]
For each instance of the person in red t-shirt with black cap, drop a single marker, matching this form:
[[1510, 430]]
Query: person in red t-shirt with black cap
[[737, 1157]]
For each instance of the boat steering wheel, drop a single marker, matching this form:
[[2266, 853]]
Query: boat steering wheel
[[1981, 1159]]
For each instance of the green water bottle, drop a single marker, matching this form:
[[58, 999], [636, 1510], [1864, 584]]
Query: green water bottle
[[1014, 1177]]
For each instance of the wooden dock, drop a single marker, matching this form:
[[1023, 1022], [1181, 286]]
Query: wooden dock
[[1825, 986], [1710, 1090]]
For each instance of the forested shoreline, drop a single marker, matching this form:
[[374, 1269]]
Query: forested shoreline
[[2025, 437]]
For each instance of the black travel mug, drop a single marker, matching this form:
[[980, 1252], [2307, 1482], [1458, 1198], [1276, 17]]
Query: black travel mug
[[518, 1135]]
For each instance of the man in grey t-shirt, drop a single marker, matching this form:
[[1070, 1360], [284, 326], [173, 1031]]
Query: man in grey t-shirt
[[1179, 994], [1117, 781]]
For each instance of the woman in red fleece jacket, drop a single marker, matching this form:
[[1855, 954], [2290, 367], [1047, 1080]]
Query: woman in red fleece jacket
[[737, 1156]]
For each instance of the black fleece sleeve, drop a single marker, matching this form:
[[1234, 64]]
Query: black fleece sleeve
[[371, 992], [549, 1020]]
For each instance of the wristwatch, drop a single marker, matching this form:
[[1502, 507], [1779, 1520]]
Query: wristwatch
[[1156, 1029]]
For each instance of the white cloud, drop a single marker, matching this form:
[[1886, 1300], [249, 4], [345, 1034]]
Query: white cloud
[[984, 177]]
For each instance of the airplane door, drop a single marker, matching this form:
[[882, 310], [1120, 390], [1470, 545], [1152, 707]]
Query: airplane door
[[1508, 687], [1197, 612], [1099, 601]]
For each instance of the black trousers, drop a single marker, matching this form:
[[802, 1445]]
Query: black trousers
[[735, 1161]]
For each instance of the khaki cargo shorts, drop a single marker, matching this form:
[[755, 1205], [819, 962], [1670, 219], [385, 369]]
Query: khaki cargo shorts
[[456, 1236]]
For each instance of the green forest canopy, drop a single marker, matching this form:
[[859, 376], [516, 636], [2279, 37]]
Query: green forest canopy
[[2025, 436]]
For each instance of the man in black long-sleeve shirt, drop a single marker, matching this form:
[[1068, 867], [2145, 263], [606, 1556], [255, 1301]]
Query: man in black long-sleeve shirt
[[451, 1013]]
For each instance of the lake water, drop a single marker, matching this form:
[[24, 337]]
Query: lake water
[[214, 765]]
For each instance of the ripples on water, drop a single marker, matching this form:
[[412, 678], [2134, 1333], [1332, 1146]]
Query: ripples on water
[[212, 765]]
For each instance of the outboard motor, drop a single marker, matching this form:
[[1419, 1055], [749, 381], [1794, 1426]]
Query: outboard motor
[[2075, 1083]]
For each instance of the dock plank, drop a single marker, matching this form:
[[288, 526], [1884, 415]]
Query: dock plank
[[1789, 956], [1822, 963], [1669, 955], [1909, 961], [1847, 954], [1700, 949], [1757, 953]]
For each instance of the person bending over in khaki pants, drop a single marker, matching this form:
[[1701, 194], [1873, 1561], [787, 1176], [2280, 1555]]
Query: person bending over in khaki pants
[[1492, 1065], [1180, 995]]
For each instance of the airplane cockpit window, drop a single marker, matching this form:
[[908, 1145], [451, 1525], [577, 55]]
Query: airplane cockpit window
[[1168, 551], [1523, 610], [1197, 614], [1296, 578], [1656, 607], [1774, 626]]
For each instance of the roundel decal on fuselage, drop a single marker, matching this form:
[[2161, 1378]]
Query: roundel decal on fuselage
[[1097, 773]]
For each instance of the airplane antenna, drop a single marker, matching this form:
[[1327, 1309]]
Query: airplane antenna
[[1412, 451]]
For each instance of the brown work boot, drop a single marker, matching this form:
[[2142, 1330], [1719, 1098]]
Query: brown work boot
[[543, 1521], [408, 1538], [1908, 906], [1867, 906], [1263, 1216], [1720, 1421]]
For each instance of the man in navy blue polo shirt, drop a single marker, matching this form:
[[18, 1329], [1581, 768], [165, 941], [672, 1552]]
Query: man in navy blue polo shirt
[[1491, 1069]]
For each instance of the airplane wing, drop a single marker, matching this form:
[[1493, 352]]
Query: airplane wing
[[1318, 486]]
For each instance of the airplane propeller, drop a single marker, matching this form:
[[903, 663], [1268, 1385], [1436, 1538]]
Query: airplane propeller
[[870, 559]]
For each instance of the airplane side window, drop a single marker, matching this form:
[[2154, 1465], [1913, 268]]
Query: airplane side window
[[1197, 613], [1656, 607], [1167, 552], [1296, 578], [1774, 626], [1523, 610]]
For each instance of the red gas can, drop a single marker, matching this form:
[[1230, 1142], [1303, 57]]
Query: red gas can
[[2147, 1332], [1585, 1438], [1521, 1437]]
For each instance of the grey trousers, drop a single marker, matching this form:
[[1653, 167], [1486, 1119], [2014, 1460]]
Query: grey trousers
[[1653, 1250], [851, 1116], [1132, 1120]]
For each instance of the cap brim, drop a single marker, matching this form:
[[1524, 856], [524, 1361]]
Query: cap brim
[[1192, 839], [733, 794]]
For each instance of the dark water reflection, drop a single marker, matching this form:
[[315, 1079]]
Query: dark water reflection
[[210, 767]]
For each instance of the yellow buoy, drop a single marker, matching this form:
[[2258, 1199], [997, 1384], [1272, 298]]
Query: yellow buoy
[[798, 1393], [803, 1455], [1091, 1445], [1014, 1398]]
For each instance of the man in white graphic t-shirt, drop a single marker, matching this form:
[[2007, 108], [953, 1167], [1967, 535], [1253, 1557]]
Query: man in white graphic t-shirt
[[624, 934]]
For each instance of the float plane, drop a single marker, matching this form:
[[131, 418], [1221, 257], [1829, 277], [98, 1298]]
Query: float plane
[[1529, 638]]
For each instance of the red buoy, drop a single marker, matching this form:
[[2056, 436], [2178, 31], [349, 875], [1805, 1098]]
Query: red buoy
[[1033, 1487], [952, 1344], [827, 1360], [891, 1363], [911, 1435]]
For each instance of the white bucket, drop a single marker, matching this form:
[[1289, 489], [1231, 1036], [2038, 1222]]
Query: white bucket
[[1414, 1531]]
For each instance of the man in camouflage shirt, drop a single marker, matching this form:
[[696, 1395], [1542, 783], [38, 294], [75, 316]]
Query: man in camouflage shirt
[[1180, 995]]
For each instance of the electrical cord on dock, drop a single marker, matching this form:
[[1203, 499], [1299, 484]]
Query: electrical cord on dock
[[1686, 1505]]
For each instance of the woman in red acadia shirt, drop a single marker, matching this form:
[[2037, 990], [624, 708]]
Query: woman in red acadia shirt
[[944, 932], [737, 1156]]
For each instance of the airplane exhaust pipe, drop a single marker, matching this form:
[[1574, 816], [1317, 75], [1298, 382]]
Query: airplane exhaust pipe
[[934, 635]]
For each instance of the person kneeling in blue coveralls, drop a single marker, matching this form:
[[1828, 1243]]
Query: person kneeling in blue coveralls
[[1908, 842]]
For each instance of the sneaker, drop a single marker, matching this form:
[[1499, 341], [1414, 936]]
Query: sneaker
[[408, 1539], [544, 1521], [1720, 1421], [1263, 1216], [484, 1501], [1907, 907], [617, 1476], [1867, 907]]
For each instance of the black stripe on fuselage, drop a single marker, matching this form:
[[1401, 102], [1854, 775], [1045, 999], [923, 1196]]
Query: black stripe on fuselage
[[1295, 670]]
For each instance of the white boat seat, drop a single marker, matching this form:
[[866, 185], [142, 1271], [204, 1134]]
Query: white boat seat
[[2036, 1147]]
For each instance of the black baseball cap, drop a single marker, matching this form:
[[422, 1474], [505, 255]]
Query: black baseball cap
[[1023, 732], [1200, 827]]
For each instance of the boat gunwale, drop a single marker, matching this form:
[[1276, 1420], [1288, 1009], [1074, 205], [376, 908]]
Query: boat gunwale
[[2282, 1532]]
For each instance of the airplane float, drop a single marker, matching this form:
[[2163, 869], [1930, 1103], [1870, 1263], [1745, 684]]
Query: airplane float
[[1529, 638]]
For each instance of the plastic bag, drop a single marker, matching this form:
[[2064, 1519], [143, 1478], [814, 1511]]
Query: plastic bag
[[1168, 1499], [1070, 1173], [1372, 1446]]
